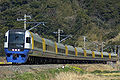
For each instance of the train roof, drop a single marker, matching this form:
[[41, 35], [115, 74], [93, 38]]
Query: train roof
[[98, 53], [88, 51], [113, 54], [49, 42], [70, 48], [79, 49], [17, 30], [59, 45]]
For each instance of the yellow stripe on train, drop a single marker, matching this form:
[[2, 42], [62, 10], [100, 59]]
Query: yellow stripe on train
[[101, 54], [85, 54], [44, 45], [93, 54], [66, 50], [109, 55], [32, 40], [56, 49], [76, 52]]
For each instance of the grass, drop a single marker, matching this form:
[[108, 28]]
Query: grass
[[106, 73], [99, 71], [45, 75], [66, 73]]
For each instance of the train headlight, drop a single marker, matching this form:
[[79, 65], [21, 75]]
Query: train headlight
[[13, 50], [18, 49]]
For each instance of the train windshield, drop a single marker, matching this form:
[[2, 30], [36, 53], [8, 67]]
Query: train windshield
[[17, 37], [16, 40]]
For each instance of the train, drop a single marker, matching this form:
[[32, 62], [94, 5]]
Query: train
[[19, 44]]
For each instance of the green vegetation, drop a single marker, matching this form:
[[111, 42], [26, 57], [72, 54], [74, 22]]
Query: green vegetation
[[99, 71], [106, 73], [68, 72], [99, 20], [45, 75]]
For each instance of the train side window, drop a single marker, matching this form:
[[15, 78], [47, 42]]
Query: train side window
[[28, 40], [5, 38]]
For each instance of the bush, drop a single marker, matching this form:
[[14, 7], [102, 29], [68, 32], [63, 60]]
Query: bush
[[97, 71]]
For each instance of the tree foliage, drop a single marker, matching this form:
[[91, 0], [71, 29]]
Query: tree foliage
[[98, 19]]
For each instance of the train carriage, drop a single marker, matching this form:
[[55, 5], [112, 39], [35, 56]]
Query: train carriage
[[50, 46], [98, 54], [89, 53], [80, 52], [61, 49], [70, 50]]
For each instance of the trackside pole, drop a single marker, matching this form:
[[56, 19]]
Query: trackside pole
[[25, 21]]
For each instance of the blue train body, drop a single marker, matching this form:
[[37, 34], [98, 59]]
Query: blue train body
[[17, 56]]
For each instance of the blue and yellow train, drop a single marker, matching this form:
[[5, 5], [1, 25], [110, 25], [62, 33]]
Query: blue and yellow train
[[20, 44]]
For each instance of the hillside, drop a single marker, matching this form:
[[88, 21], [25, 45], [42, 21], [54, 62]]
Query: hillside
[[99, 20]]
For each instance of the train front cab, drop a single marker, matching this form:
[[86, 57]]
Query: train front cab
[[14, 46]]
